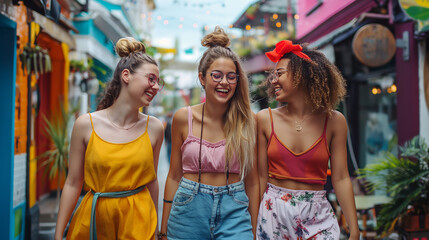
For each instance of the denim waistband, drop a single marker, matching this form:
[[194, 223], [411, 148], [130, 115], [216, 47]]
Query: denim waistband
[[213, 190], [279, 192]]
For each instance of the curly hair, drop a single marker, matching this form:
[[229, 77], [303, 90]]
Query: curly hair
[[133, 55], [321, 80], [239, 122]]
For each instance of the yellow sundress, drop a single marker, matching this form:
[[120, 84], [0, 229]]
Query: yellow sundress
[[112, 167]]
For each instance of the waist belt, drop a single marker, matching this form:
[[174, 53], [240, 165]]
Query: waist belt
[[93, 226]]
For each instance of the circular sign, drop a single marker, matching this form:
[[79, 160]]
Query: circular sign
[[374, 45]]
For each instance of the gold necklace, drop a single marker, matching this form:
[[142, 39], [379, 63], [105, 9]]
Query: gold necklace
[[117, 126], [298, 125]]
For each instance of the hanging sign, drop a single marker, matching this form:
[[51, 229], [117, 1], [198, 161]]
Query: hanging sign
[[374, 45]]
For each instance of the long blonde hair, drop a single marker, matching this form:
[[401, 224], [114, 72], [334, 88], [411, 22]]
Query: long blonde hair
[[239, 122]]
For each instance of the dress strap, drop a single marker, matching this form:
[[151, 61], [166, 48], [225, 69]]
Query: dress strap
[[92, 124], [147, 123], [189, 121], [271, 119], [324, 128]]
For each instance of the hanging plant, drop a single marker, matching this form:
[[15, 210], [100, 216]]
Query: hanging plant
[[35, 60]]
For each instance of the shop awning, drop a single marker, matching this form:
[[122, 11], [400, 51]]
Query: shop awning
[[259, 12], [315, 23]]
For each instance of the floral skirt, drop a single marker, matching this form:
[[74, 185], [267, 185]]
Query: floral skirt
[[296, 214]]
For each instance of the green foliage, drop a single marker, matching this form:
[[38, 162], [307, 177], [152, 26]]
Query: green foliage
[[405, 179], [151, 51], [57, 131]]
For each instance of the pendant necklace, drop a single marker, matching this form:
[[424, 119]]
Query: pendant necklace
[[298, 124], [117, 126]]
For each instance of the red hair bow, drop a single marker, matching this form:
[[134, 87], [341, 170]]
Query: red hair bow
[[284, 47]]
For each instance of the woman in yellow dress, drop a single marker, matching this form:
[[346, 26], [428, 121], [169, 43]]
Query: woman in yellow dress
[[115, 151]]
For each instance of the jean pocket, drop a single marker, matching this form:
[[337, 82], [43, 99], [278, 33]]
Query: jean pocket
[[240, 197], [183, 196]]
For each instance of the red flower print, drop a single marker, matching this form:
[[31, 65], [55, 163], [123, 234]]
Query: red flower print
[[269, 204], [286, 197]]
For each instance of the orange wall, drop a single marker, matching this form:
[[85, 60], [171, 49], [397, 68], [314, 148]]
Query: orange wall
[[21, 82]]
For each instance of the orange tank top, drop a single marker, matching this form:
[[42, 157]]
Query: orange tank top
[[308, 167]]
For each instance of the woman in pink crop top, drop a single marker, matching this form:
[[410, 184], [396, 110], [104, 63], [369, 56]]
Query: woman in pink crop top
[[296, 142], [212, 188]]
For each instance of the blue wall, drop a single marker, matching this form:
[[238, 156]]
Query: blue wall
[[88, 28], [7, 124]]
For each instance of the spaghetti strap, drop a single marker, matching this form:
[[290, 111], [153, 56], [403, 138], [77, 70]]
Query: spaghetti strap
[[92, 124], [189, 121], [326, 124], [147, 123], [271, 118]]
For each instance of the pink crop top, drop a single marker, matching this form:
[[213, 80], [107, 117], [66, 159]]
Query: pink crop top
[[309, 166], [212, 154]]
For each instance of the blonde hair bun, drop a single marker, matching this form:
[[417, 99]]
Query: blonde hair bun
[[125, 46], [217, 38]]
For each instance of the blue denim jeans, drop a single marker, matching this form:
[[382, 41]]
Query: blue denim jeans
[[202, 211]]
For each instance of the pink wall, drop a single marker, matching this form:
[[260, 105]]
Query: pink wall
[[334, 13]]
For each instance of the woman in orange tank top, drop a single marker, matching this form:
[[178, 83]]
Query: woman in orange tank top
[[115, 151], [296, 142]]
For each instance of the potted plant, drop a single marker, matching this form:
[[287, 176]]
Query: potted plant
[[56, 159], [406, 181]]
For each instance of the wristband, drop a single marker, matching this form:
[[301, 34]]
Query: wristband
[[160, 235], [167, 201]]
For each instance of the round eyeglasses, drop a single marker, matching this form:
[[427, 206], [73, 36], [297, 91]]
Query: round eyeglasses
[[275, 75], [231, 77], [153, 79]]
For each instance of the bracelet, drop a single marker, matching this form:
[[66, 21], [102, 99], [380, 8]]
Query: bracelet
[[167, 201], [160, 235]]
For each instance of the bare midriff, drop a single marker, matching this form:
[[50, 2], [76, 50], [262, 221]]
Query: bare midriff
[[213, 179], [294, 185]]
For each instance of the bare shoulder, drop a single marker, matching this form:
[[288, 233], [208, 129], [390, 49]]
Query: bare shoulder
[[83, 123], [180, 116], [155, 124], [337, 121], [263, 116]]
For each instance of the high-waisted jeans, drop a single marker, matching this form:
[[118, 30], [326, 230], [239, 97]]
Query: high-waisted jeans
[[202, 211]]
